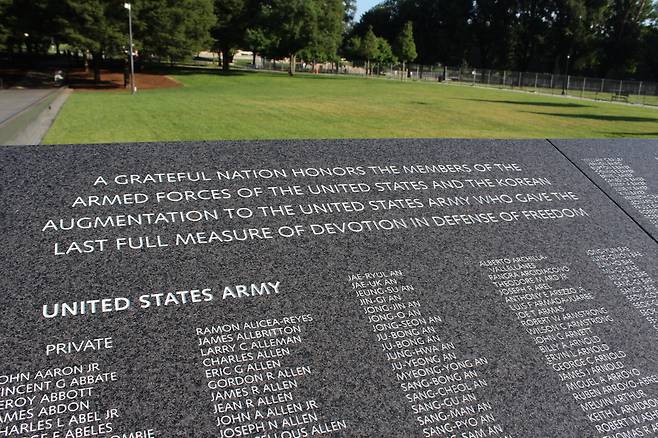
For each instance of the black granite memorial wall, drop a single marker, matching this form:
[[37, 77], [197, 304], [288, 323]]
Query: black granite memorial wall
[[626, 170], [339, 288]]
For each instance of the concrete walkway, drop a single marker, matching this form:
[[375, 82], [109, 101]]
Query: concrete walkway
[[26, 115], [14, 101]]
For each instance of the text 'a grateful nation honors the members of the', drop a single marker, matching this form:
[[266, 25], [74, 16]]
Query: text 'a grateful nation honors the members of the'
[[160, 299]]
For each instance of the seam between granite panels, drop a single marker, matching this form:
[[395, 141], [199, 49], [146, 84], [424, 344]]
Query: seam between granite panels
[[602, 191]]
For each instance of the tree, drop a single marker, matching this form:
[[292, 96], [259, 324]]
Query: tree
[[257, 41], [349, 6], [623, 35], [381, 17], [405, 48], [369, 48], [648, 67], [27, 25], [5, 23], [328, 34], [97, 26], [352, 48], [575, 30], [385, 51], [174, 29], [292, 26], [233, 20], [493, 32], [442, 32]]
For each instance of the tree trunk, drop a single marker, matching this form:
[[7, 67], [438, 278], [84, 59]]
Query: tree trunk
[[253, 58], [291, 68], [403, 75], [96, 63], [226, 61]]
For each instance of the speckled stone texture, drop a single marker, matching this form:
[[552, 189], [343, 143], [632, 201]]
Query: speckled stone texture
[[161, 383], [641, 156]]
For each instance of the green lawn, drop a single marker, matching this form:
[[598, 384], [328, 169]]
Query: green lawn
[[269, 106]]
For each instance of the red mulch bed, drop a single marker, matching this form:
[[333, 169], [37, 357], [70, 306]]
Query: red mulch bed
[[113, 81]]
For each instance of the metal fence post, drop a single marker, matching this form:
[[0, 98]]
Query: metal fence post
[[582, 92], [520, 80], [639, 91], [504, 77], [536, 79], [489, 78]]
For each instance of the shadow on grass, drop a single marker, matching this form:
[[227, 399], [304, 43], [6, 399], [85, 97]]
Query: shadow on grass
[[193, 70], [184, 70], [521, 102], [637, 134], [600, 117], [90, 84]]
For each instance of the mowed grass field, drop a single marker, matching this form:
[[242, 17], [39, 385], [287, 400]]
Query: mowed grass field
[[213, 106]]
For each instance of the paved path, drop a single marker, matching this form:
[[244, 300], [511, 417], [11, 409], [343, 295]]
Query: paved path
[[26, 115], [13, 102]]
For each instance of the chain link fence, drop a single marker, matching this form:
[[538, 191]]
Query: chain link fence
[[629, 91], [613, 90]]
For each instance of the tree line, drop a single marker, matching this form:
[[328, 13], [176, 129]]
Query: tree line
[[171, 30], [608, 38], [167, 29], [603, 38]]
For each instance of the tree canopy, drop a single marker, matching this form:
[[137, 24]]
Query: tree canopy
[[176, 30], [233, 20], [166, 29], [607, 38], [405, 47]]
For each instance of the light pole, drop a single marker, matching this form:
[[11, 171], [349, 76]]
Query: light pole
[[565, 83], [133, 88]]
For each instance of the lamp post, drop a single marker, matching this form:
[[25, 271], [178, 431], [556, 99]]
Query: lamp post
[[133, 88], [565, 83]]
